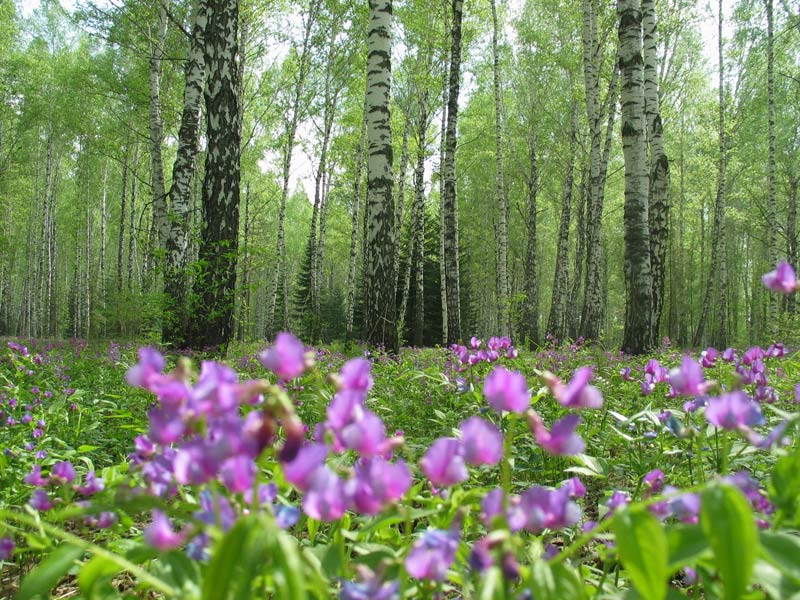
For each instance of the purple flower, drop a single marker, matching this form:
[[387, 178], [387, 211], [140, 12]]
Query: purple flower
[[286, 358], [238, 473], [35, 477], [733, 410], [62, 472], [355, 375], [549, 509], [328, 497], [687, 380], [379, 483], [151, 363], [300, 471], [6, 547], [443, 463], [40, 501], [371, 587], [577, 393], [507, 390], [160, 534], [104, 520], [766, 442], [654, 481], [782, 279], [91, 486], [433, 554], [482, 442], [708, 357], [729, 355], [685, 507], [166, 426], [561, 439], [617, 500]]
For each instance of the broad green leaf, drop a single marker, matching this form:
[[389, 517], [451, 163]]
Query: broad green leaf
[[727, 521], [290, 567], [775, 583], [783, 550], [94, 571], [43, 578], [644, 549], [784, 489], [491, 585], [686, 544], [555, 582], [227, 556]]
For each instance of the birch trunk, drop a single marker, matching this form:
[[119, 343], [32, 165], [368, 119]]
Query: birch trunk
[[175, 330], [718, 256], [215, 286], [659, 168], [132, 225], [279, 275], [354, 233], [556, 323], [442, 144], [637, 336], [400, 201], [503, 291], [450, 204], [573, 307], [122, 214], [772, 211], [157, 42], [791, 235], [380, 303], [530, 313]]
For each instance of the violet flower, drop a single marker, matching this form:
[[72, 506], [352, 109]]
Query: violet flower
[[379, 483], [733, 410], [782, 279], [286, 358], [62, 472], [160, 534], [433, 554], [482, 442], [328, 497], [7, 546], [40, 501], [561, 439], [577, 393], [507, 390], [687, 380], [443, 463]]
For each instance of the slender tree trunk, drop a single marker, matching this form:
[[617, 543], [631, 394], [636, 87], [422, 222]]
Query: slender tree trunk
[[772, 210], [103, 229], [503, 291], [442, 145], [132, 225], [791, 235], [380, 303], [354, 234], [157, 43], [215, 285], [556, 323], [637, 336], [530, 312], [175, 276], [122, 214], [450, 204], [574, 304], [279, 283], [659, 168], [718, 253], [400, 201]]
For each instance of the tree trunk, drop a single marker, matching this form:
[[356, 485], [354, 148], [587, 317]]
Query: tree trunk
[[530, 326], [573, 308], [659, 168], [442, 145], [772, 211], [216, 283], [503, 291], [157, 43], [354, 234], [132, 225], [400, 201], [637, 336], [122, 213], [279, 275], [791, 235], [556, 323], [175, 276], [450, 203], [380, 303], [718, 254]]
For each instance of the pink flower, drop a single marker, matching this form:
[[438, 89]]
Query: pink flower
[[561, 439], [782, 279], [160, 534], [507, 390], [443, 463], [482, 442], [577, 394], [286, 358]]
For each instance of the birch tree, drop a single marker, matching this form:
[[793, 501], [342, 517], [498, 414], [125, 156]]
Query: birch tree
[[379, 285], [216, 282], [157, 44], [175, 276], [637, 336]]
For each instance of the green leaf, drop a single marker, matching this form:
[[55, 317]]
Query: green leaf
[[491, 586], [95, 571], [644, 549], [228, 553], [290, 567], [41, 580], [555, 582], [784, 489], [727, 521], [783, 551], [686, 544]]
